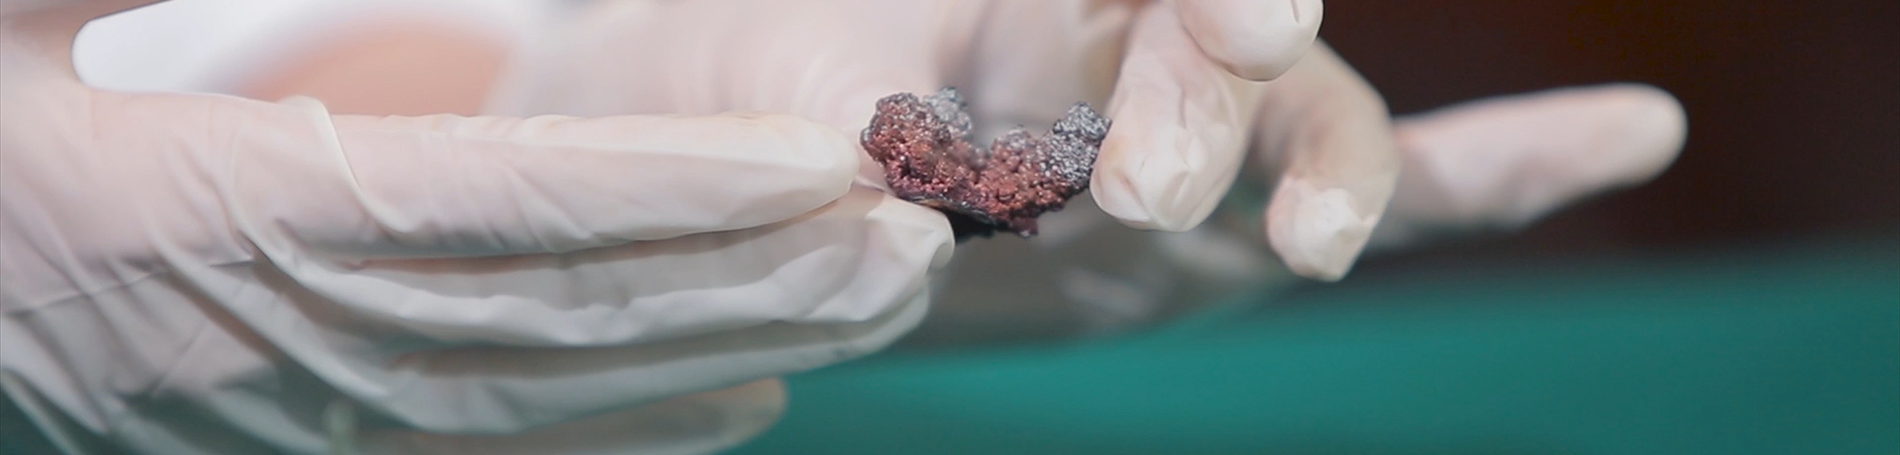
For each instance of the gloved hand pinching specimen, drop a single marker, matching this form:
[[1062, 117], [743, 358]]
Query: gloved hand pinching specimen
[[924, 145]]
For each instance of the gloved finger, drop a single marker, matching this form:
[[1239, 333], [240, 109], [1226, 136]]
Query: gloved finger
[[601, 329], [1253, 39], [1328, 135], [705, 422], [480, 390], [1501, 163], [846, 261], [444, 186], [1181, 125]]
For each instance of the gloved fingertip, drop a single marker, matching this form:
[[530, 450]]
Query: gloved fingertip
[[1318, 232], [926, 229], [1114, 196], [832, 155], [1145, 185], [1255, 40], [745, 411], [1655, 126], [1180, 130]]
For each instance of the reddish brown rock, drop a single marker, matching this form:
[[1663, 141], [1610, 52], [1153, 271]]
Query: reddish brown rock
[[924, 145]]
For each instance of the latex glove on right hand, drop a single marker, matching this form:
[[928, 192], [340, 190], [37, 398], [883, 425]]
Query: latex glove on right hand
[[1182, 82], [210, 274], [1497, 165], [1182, 118], [1321, 143]]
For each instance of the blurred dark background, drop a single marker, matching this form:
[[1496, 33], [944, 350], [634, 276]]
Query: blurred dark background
[[1793, 106]]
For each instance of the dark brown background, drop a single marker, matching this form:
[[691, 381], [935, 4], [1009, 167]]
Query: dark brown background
[[1794, 109]]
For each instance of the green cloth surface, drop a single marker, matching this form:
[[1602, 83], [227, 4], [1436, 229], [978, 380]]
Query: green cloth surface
[[1770, 351]]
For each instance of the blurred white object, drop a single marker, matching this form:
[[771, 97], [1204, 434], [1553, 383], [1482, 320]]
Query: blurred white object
[[207, 274]]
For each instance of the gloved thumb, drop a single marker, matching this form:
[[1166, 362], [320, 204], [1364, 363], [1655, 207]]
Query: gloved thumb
[[439, 186]]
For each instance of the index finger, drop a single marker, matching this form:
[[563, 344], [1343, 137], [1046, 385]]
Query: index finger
[[1253, 39], [444, 186]]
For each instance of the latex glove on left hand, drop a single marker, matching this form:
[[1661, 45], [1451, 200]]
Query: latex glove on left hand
[[208, 274]]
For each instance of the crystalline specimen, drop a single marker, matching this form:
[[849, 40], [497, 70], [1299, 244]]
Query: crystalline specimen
[[924, 145]]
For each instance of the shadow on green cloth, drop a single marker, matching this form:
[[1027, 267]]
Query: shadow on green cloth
[[1791, 350]]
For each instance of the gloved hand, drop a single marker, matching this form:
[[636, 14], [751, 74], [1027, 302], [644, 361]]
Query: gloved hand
[[1182, 84], [1182, 116], [1181, 106], [1023, 62], [209, 274]]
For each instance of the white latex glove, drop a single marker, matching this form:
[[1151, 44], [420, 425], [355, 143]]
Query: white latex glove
[[209, 274], [1083, 273], [1497, 165], [1494, 165], [1323, 148], [1182, 119], [1180, 79], [1180, 116]]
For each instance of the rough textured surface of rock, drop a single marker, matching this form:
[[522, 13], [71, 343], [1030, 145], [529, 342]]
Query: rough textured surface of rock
[[923, 142]]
